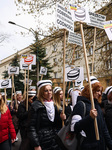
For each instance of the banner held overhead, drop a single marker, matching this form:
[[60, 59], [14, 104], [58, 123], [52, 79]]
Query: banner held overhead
[[75, 38], [63, 18], [96, 20]]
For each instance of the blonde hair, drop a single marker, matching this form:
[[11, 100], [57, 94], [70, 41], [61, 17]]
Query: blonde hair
[[41, 94], [3, 106], [57, 100]]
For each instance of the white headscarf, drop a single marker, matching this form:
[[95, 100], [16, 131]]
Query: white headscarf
[[50, 110]]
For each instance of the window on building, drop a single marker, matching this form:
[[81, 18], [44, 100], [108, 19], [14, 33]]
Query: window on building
[[90, 67], [109, 64], [91, 50], [108, 47], [55, 60], [106, 64], [66, 56], [55, 74], [54, 47], [77, 55]]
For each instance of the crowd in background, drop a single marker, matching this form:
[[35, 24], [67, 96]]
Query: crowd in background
[[39, 123]]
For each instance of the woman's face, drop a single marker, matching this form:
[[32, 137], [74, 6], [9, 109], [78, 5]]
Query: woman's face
[[48, 92], [98, 93], [19, 97], [30, 99], [61, 95]]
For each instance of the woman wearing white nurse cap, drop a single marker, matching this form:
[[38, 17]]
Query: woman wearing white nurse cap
[[108, 90], [43, 83], [70, 91], [93, 79], [56, 89]]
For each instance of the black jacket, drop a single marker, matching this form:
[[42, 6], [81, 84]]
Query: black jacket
[[108, 116], [22, 114], [87, 125], [68, 110], [23, 124], [41, 130]]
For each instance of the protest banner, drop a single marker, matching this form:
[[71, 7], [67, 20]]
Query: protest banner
[[63, 18], [29, 60], [96, 20], [43, 71], [75, 38], [4, 84], [13, 70]]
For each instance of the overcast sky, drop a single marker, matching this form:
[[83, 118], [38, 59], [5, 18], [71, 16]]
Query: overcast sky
[[15, 41]]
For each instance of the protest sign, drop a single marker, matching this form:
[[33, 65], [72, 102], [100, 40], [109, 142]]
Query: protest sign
[[63, 18]]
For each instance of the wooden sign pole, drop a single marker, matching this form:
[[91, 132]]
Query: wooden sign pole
[[65, 90], [73, 85], [5, 95], [87, 69], [12, 92], [24, 95], [41, 76], [67, 93], [15, 94], [64, 73], [27, 90], [93, 50]]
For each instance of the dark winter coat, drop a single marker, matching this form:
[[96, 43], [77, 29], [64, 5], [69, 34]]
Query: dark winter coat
[[108, 116], [87, 125], [23, 123], [68, 110], [22, 115], [41, 130], [6, 127]]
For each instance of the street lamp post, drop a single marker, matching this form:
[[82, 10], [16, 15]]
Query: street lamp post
[[34, 33]]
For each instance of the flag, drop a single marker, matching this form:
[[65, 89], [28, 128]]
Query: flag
[[73, 7], [107, 26]]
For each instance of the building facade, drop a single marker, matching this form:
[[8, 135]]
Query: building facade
[[74, 54]]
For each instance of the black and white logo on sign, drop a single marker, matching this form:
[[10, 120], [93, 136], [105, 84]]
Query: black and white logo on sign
[[13, 70], [74, 73], [43, 71], [5, 83], [30, 81], [81, 14]]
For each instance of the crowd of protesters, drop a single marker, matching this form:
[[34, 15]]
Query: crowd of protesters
[[40, 121]]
